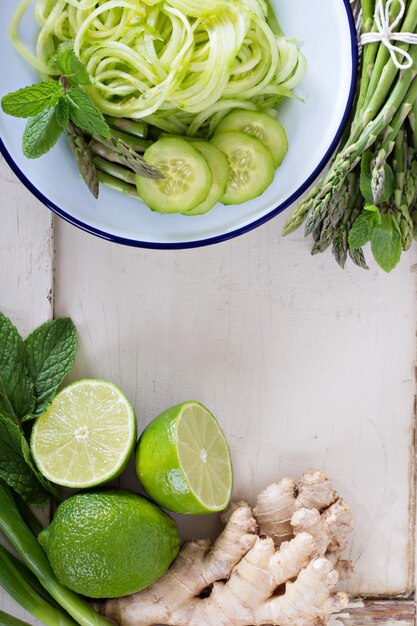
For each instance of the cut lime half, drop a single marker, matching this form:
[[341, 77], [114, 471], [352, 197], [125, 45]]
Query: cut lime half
[[183, 461], [86, 436]]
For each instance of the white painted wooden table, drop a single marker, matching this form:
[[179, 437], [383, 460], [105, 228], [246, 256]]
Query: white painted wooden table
[[304, 365]]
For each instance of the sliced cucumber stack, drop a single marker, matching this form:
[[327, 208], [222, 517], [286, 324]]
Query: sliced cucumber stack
[[219, 167], [260, 125], [237, 165], [251, 166], [188, 178]]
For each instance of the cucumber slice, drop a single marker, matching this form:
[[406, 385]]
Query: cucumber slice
[[187, 179], [260, 125], [251, 166], [219, 166]]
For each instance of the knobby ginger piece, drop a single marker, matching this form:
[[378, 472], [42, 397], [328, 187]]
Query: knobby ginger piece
[[277, 564]]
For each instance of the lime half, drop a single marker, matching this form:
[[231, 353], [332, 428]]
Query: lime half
[[183, 461], [86, 436]]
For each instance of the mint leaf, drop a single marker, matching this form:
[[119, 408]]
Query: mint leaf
[[14, 469], [363, 226], [386, 242], [85, 114], [50, 350], [62, 112], [366, 177], [31, 101], [373, 209], [16, 387], [71, 65], [42, 132]]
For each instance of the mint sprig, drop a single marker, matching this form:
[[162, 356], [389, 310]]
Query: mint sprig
[[42, 132], [30, 374], [362, 227], [50, 352], [386, 242], [84, 113], [50, 106], [384, 233], [70, 65], [32, 100]]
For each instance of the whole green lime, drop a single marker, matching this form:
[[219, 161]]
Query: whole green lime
[[109, 543]]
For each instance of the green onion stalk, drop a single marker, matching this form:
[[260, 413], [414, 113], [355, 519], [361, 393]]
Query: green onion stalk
[[14, 578], [9, 620], [35, 560], [377, 150]]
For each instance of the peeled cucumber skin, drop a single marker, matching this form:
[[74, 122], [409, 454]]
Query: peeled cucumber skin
[[219, 166], [175, 149], [261, 165], [272, 134]]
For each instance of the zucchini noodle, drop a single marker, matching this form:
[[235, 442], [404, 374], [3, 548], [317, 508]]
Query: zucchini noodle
[[178, 64]]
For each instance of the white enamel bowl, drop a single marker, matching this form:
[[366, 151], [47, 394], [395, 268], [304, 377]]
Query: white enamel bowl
[[314, 127]]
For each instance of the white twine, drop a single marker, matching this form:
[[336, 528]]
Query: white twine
[[386, 33]]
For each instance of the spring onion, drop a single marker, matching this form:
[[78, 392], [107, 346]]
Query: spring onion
[[13, 581], [30, 551]]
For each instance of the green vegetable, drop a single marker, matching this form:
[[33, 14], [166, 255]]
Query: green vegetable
[[261, 126], [386, 242], [177, 72], [16, 385], [17, 467], [70, 65], [56, 107], [363, 227], [33, 556], [30, 373], [50, 350], [83, 157], [378, 150], [187, 177], [19, 586], [219, 167], [42, 132], [84, 113], [31, 101], [251, 166], [10, 620]]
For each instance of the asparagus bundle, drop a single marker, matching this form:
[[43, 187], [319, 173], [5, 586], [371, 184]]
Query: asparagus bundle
[[369, 192], [114, 161]]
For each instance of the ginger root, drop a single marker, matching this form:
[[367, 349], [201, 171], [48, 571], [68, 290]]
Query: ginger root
[[277, 565]]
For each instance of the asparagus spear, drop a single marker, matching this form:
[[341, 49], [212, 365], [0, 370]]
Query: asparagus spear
[[83, 157], [116, 150], [117, 171], [316, 203], [136, 143], [118, 185], [402, 214], [132, 127]]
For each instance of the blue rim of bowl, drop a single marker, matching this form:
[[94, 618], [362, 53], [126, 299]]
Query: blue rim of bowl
[[225, 236]]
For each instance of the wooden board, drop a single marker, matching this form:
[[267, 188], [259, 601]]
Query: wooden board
[[26, 275], [387, 613], [305, 366]]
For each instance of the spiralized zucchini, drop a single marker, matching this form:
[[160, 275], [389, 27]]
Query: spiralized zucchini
[[179, 64]]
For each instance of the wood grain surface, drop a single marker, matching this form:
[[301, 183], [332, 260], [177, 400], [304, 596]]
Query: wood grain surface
[[26, 276], [304, 365]]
